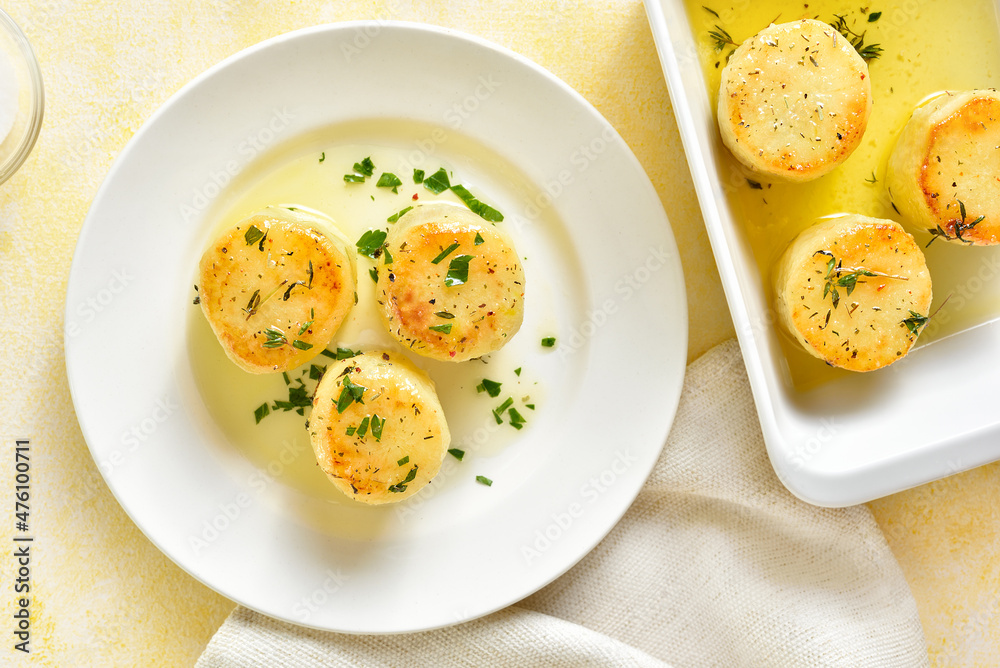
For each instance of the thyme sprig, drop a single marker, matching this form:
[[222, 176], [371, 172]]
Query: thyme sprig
[[867, 51], [720, 38], [838, 276], [960, 227]]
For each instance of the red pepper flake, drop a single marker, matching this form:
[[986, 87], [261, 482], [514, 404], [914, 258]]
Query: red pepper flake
[[415, 196], [451, 353]]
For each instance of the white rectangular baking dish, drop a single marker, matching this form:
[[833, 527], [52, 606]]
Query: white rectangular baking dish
[[861, 437]]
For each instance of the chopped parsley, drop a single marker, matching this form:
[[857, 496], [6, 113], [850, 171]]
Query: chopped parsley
[[456, 453], [548, 342], [438, 182], [401, 486], [350, 393], [301, 345], [366, 167], [915, 322], [418, 176], [490, 387], [404, 460], [253, 235], [353, 178], [371, 242], [484, 480], [458, 271], [396, 216], [478, 240], [389, 180], [499, 411], [261, 412], [444, 329], [484, 211], [445, 253], [516, 419]]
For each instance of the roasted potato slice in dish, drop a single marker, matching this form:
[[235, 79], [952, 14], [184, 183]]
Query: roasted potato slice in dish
[[276, 287], [377, 427], [854, 291]]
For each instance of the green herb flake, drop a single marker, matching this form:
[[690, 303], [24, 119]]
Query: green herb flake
[[444, 329], [373, 272], [754, 185], [377, 425], [316, 372], [445, 253], [484, 480], [371, 243], [345, 354], [401, 486], [458, 271], [322, 156], [366, 167], [363, 428], [284, 374], [478, 241], [301, 345], [329, 354], [484, 211], [517, 372], [389, 180], [349, 393], [438, 182], [350, 431], [456, 453], [874, 16], [253, 235], [548, 342], [305, 326], [404, 460], [353, 178], [499, 411], [418, 176], [396, 216], [915, 322], [445, 315], [261, 412], [490, 387]]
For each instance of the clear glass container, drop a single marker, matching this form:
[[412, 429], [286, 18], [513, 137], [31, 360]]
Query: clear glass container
[[22, 99]]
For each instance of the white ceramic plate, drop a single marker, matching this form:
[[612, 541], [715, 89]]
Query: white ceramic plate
[[611, 386], [863, 436]]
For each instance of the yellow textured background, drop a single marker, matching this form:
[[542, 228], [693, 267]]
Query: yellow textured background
[[103, 594]]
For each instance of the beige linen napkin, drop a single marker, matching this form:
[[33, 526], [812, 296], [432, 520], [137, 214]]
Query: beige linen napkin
[[715, 564]]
